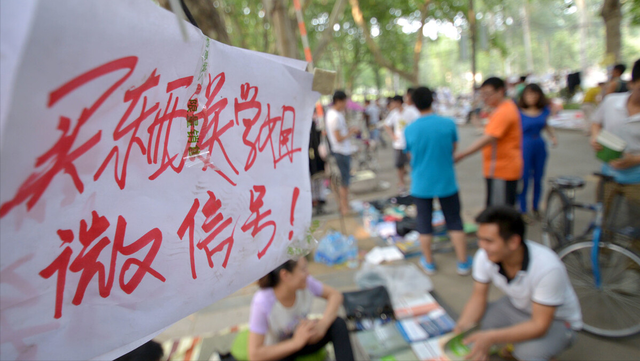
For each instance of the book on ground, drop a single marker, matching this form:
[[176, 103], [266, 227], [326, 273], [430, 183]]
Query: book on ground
[[402, 355], [612, 146], [383, 254], [411, 330], [437, 322], [382, 340], [449, 347], [429, 350], [420, 328], [413, 305]]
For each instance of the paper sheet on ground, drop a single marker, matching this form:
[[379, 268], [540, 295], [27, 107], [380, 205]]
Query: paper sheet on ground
[[378, 255]]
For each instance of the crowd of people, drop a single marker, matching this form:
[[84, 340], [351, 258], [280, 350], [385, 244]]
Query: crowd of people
[[540, 312]]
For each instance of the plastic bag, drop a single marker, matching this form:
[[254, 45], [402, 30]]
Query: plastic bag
[[300, 247], [370, 218], [400, 280], [323, 148]]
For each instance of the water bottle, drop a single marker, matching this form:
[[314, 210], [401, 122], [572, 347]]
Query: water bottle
[[352, 252], [370, 218], [333, 253]]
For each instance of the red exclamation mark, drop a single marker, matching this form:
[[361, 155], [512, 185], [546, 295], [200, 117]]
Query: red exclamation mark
[[296, 193]]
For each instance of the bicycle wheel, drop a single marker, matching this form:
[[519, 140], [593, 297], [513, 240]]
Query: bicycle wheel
[[613, 309], [557, 222]]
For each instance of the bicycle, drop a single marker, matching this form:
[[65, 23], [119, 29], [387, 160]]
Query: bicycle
[[366, 157], [559, 213], [601, 263]]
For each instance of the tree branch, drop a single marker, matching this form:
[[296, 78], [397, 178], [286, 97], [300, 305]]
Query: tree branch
[[358, 17], [417, 49], [338, 9], [208, 18]]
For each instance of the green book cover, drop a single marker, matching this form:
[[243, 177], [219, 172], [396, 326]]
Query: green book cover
[[455, 349], [607, 154], [612, 146], [404, 355]]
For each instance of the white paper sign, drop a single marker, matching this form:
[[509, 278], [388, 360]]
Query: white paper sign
[[143, 177]]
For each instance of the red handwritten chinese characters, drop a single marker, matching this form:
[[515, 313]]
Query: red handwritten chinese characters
[[86, 262], [277, 132], [214, 224], [219, 136], [258, 216]]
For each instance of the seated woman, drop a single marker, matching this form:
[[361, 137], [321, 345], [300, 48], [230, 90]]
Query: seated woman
[[278, 324]]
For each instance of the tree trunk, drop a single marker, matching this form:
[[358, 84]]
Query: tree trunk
[[327, 34], [417, 49], [265, 36], [284, 28], [376, 73], [473, 28], [526, 30], [612, 16], [352, 70], [208, 18], [546, 47], [507, 58], [358, 17], [582, 12]]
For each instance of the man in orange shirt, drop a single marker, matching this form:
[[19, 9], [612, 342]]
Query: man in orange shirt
[[501, 145]]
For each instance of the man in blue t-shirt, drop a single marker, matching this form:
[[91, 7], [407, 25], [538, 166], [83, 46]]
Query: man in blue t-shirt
[[431, 142]]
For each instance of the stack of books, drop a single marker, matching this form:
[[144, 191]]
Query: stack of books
[[612, 146], [414, 305], [431, 325], [429, 350], [382, 340], [423, 332]]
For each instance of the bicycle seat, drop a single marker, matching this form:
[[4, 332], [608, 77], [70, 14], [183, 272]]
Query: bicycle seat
[[568, 182], [604, 177]]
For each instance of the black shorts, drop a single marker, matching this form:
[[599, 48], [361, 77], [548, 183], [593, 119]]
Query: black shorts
[[501, 192], [450, 208], [401, 158], [344, 165]]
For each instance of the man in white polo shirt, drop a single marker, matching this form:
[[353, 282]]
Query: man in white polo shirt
[[619, 113], [540, 313], [398, 119], [339, 136]]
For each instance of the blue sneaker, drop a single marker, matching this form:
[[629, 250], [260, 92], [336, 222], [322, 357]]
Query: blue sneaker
[[429, 268], [464, 268]]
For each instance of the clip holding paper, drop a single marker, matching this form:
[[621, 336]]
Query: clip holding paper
[[323, 81]]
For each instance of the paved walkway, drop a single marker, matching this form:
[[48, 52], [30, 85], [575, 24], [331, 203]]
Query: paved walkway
[[572, 157]]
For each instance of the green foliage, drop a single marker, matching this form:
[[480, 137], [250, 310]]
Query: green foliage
[[304, 247], [572, 106], [632, 9], [395, 27], [246, 24], [346, 53]]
